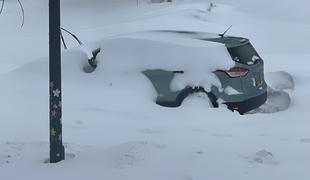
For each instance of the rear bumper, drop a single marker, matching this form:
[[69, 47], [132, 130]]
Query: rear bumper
[[249, 104]]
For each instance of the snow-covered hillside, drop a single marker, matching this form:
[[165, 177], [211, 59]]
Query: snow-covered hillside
[[112, 127]]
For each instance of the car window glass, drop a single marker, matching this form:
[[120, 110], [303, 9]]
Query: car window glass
[[245, 54]]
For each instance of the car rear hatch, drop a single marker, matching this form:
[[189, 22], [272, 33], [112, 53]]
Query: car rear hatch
[[246, 57]]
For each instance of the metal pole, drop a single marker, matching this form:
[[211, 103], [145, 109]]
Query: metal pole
[[57, 151]]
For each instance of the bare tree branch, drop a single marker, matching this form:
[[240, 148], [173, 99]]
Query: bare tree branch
[[2, 6], [74, 36], [23, 12], [63, 41]]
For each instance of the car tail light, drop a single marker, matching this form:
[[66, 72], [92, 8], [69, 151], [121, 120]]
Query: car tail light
[[235, 72], [235, 106]]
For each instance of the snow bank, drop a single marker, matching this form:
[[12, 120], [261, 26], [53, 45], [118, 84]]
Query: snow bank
[[280, 80], [198, 59], [278, 99], [133, 54]]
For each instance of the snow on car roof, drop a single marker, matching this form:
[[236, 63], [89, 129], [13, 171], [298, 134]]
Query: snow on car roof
[[159, 50], [173, 37], [147, 50], [190, 38]]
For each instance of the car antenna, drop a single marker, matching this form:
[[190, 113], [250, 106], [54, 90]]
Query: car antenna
[[223, 34]]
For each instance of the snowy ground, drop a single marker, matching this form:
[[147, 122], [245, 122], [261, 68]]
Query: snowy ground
[[112, 128]]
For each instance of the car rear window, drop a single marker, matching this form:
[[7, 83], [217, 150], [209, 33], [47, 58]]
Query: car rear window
[[245, 54]]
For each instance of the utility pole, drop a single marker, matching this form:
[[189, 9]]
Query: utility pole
[[57, 150]]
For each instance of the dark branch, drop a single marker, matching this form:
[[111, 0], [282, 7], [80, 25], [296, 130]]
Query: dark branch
[[74, 36], [63, 41], [22, 8], [2, 6]]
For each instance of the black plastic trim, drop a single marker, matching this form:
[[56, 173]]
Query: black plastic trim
[[247, 105], [186, 92]]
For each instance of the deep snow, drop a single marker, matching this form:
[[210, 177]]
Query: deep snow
[[113, 129]]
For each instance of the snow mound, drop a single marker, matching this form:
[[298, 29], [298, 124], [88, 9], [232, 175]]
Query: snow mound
[[142, 54], [197, 58], [280, 80], [122, 55], [278, 99], [197, 99]]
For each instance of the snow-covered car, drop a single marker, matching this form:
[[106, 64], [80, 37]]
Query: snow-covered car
[[179, 63], [243, 87]]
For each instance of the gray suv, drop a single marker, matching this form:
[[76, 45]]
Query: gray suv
[[244, 87]]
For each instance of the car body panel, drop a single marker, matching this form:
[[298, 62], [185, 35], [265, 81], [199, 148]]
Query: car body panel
[[250, 90]]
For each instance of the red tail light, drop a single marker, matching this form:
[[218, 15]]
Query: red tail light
[[235, 72]]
